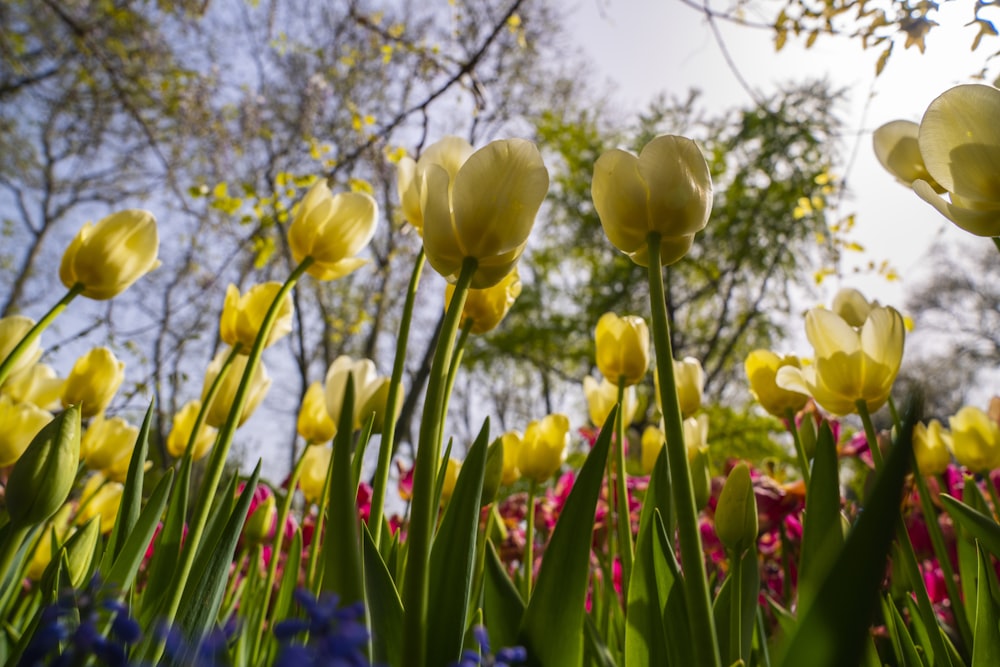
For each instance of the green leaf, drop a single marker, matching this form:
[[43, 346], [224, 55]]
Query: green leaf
[[504, 607], [594, 648], [982, 527], [749, 590], [550, 628], [131, 499], [453, 555], [133, 548], [359, 451], [986, 642], [167, 550], [648, 591], [822, 533], [900, 635], [384, 605]]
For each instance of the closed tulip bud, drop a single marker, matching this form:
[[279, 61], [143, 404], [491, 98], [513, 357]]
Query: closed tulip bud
[[736, 513], [975, 440], [690, 379], [959, 141], [108, 257], [450, 153], [452, 468], [898, 152], [314, 468], [42, 478], [99, 498], [622, 348], [543, 447], [51, 541], [511, 455], [762, 371], [667, 190], [930, 447], [12, 329], [314, 423], [180, 433], [652, 443], [485, 210], [21, 423], [376, 405], [485, 308], [602, 396], [242, 316], [218, 411], [261, 521], [366, 383], [36, 384], [332, 229], [107, 445], [92, 383]]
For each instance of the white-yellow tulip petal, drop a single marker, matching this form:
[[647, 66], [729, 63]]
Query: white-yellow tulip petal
[[679, 186], [620, 196], [897, 149], [981, 222], [830, 334]]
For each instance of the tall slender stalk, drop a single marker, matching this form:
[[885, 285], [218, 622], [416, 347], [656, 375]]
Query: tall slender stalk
[[34, 332], [800, 452], [624, 518], [529, 543]]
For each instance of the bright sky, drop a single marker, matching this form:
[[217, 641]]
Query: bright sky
[[647, 47]]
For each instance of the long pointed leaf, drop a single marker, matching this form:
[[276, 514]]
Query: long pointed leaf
[[131, 499], [986, 642], [167, 549], [648, 592], [384, 605], [982, 527], [504, 607], [822, 533], [136, 542]]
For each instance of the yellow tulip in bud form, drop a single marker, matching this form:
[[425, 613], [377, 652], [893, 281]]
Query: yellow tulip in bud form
[[897, 150], [376, 404], [332, 229], [12, 329], [762, 370], [100, 498], [314, 423], [21, 423], [959, 140], [218, 411], [51, 540], [543, 447], [450, 153], [696, 443], [36, 384], [42, 478], [485, 308], [107, 446], [622, 348], [258, 526], [366, 383], [452, 468], [736, 513], [975, 440], [667, 190], [690, 379], [485, 210], [852, 306], [108, 257], [602, 396], [93, 382], [314, 468], [180, 433], [652, 443], [511, 455], [242, 316], [930, 447], [851, 365]]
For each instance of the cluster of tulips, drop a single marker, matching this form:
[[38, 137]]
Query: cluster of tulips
[[637, 556]]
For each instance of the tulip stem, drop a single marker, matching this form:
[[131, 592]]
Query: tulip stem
[[698, 600], [381, 481], [735, 608], [422, 509], [870, 434], [529, 544], [34, 332], [623, 517], [456, 361], [314, 577], [800, 451]]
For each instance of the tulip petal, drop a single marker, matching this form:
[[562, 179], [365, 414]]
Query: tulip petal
[[620, 196], [829, 333], [450, 153], [679, 186], [441, 242], [882, 337], [981, 222], [897, 149]]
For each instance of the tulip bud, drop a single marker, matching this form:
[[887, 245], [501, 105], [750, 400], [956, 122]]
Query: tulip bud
[[314, 469], [332, 229], [12, 329], [180, 433], [485, 308], [696, 444], [21, 423], [100, 498], [736, 513], [261, 522], [42, 478], [651, 444], [314, 423], [690, 379], [36, 384], [762, 370], [108, 257], [511, 454], [622, 348], [92, 383], [218, 411], [543, 447], [602, 396], [930, 448], [452, 468], [108, 442], [975, 440], [242, 316]]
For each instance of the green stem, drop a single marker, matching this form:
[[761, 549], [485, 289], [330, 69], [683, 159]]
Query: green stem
[[456, 361], [786, 565], [34, 332], [870, 433], [624, 519], [529, 544], [699, 602], [314, 575], [423, 511], [381, 481], [735, 609], [800, 451]]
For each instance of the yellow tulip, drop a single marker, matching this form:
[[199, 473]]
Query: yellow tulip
[[485, 210], [453, 467], [736, 514], [218, 411], [92, 383], [667, 190], [762, 368], [107, 446], [180, 433], [931, 448], [960, 144], [622, 348], [108, 257], [376, 404], [450, 153], [366, 384], [511, 456], [242, 316], [100, 497], [975, 440], [314, 468], [42, 555], [36, 384], [897, 149], [543, 447], [852, 306], [332, 229], [485, 308], [12, 329], [314, 423], [850, 365], [602, 396], [690, 379], [651, 443], [21, 423]]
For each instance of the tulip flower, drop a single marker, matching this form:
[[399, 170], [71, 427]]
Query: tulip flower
[[366, 383], [975, 440], [12, 329], [108, 257], [602, 396], [622, 348], [667, 190], [485, 308], [180, 433], [651, 443], [314, 468], [850, 365], [453, 467], [42, 554], [897, 149], [376, 404], [450, 153], [485, 210], [219, 409], [511, 455], [332, 229], [931, 447], [107, 444], [543, 447], [21, 423], [762, 368], [36, 384], [314, 423], [100, 497], [242, 316], [696, 443], [960, 144], [736, 512], [92, 383], [44, 474], [852, 306], [690, 379]]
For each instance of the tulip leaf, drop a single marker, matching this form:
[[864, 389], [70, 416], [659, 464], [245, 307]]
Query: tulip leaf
[[986, 642], [649, 589], [286, 589], [453, 555], [923, 638], [822, 533], [902, 640], [167, 550], [359, 450], [384, 605], [131, 498], [658, 497], [134, 546], [749, 583], [595, 650], [550, 628], [982, 527], [965, 541], [504, 607]]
